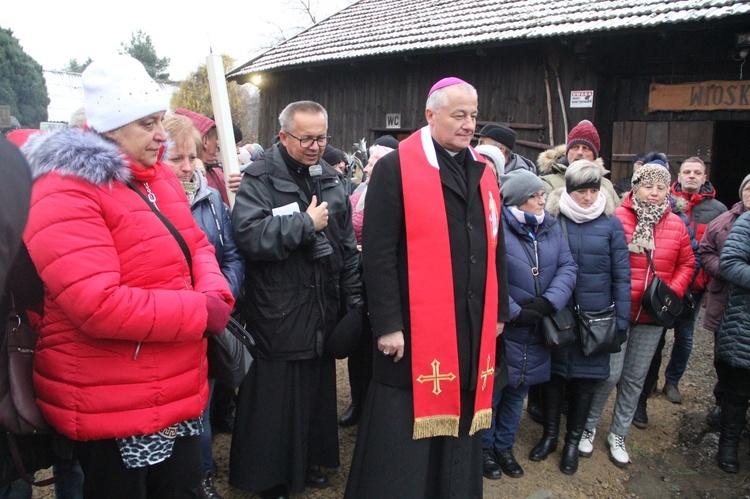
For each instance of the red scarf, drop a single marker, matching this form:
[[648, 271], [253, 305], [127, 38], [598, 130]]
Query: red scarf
[[434, 347]]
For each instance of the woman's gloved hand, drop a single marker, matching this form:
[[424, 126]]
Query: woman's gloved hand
[[218, 314], [540, 305], [527, 317]]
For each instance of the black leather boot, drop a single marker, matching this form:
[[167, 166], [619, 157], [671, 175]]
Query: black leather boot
[[552, 396], [351, 416], [732, 423], [581, 394]]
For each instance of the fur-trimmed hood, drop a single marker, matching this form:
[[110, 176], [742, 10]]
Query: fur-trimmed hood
[[553, 202], [555, 161], [77, 152], [549, 158]]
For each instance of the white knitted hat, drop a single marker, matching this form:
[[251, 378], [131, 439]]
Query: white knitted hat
[[119, 91]]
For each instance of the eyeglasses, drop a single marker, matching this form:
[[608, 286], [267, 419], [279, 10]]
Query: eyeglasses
[[308, 141], [539, 196]]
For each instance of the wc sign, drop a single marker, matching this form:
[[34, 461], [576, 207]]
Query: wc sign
[[393, 120]]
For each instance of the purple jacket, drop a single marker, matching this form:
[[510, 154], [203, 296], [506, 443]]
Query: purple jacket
[[711, 245]]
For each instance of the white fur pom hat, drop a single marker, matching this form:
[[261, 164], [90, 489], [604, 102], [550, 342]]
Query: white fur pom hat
[[119, 91]]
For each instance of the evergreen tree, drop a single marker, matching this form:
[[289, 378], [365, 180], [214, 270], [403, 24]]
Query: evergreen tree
[[142, 48], [22, 85], [74, 67]]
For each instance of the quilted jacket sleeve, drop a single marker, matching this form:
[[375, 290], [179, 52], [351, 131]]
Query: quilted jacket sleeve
[[735, 258], [107, 289]]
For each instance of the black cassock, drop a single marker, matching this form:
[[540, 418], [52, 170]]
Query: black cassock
[[387, 461]]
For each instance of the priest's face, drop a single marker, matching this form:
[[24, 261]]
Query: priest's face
[[307, 141], [453, 125]]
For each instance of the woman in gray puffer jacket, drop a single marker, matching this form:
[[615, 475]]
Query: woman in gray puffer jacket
[[733, 343]]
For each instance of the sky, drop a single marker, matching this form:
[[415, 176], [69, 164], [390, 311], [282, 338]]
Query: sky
[[185, 31]]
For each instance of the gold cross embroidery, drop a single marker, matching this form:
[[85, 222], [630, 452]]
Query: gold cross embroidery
[[436, 377], [485, 374]]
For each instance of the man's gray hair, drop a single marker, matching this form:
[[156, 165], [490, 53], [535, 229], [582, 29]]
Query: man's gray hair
[[583, 172], [286, 118], [438, 99]]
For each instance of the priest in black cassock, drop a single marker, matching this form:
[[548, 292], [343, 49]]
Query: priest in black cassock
[[436, 280], [301, 277]]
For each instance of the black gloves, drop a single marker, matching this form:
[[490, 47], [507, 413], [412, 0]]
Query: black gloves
[[540, 305], [527, 317]]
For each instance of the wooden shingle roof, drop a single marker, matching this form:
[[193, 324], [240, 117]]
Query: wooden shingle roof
[[372, 28]]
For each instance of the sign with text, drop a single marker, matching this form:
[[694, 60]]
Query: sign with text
[[393, 120], [700, 96], [581, 98]]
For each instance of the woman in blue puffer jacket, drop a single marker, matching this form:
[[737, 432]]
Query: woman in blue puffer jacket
[[534, 245], [597, 243], [212, 216]]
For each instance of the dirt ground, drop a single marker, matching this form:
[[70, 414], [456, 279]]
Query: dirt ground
[[674, 457]]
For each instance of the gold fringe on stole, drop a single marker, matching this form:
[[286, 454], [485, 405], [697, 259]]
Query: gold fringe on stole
[[482, 420], [435, 426]]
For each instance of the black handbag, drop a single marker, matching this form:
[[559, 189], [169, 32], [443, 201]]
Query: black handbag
[[597, 329], [558, 328], [229, 356], [660, 301]]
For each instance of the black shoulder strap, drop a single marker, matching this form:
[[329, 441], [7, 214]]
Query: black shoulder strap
[[169, 225]]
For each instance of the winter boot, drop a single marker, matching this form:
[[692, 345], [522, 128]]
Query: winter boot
[[552, 396], [732, 423], [581, 394]]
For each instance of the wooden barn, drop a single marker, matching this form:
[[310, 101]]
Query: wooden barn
[[666, 75]]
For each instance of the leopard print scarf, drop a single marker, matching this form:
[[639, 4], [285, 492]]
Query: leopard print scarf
[[647, 216]]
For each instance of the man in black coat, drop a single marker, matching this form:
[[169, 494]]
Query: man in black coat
[[398, 453], [295, 231]]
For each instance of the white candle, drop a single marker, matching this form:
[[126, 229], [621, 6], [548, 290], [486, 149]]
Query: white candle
[[223, 117]]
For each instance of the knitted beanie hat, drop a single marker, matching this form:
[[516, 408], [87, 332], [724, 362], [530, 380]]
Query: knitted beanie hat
[[494, 153], [118, 91], [584, 133], [743, 184], [202, 123], [332, 156], [518, 186], [651, 173]]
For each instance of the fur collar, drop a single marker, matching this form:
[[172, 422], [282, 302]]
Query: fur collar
[[554, 161], [553, 202], [76, 152], [549, 158]]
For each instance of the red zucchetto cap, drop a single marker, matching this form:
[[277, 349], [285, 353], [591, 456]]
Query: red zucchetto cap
[[445, 82]]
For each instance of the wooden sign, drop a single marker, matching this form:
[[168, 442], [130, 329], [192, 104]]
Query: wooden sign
[[700, 96]]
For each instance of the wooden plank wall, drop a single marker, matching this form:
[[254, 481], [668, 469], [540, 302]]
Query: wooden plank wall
[[510, 84]]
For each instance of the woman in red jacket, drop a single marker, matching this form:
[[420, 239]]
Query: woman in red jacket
[[650, 229], [121, 362]]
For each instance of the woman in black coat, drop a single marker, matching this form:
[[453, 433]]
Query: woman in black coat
[[597, 243], [733, 343]]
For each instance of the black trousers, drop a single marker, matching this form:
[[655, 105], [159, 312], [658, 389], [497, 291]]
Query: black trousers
[[105, 475]]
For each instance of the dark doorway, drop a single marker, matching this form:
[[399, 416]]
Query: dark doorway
[[731, 159]]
